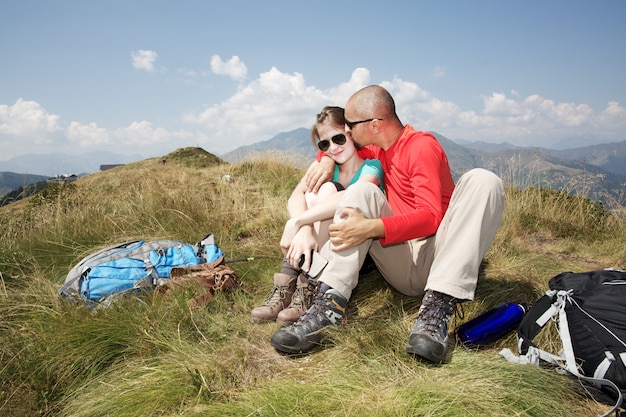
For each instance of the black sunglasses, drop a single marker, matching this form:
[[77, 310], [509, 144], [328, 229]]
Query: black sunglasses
[[352, 124], [338, 139]]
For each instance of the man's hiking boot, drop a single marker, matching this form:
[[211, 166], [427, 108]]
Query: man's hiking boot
[[429, 337], [302, 299], [329, 308], [277, 299]]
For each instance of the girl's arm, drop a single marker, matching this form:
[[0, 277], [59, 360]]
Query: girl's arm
[[326, 209], [296, 204]]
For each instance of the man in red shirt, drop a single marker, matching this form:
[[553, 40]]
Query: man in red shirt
[[426, 235]]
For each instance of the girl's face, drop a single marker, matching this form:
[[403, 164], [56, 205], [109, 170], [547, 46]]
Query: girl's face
[[332, 137]]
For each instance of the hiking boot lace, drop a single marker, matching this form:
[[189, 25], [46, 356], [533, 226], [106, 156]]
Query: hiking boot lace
[[321, 314], [303, 297], [434, 315], [275, 296]]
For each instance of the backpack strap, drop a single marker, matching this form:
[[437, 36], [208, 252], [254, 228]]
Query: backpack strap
[[208, 250], [550, 307], [535, 319], [214, 277], [598, 380], [152, 277]]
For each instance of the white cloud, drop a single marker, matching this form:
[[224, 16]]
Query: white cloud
[[144, 134], [499, 105], [613, 114], [417, 107], [533, 121], [86, 136], [26, 127], [27, 120], [530, 121], [338, 96], [439, 72], [138, 137], [277, 102], [144, 60], [234, 67]]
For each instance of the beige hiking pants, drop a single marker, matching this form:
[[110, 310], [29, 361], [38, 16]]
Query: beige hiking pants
[[447, 262]]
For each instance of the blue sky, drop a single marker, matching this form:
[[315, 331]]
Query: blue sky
[[147, 77]]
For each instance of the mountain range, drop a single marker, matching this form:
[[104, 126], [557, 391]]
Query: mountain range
[[597, 171], [10, 181], [56, 164]]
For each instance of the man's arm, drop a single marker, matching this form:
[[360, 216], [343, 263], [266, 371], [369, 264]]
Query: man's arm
[[421, 193], [322, 171], [318, 173]]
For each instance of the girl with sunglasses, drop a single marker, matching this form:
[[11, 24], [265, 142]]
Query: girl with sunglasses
[[310, 215]]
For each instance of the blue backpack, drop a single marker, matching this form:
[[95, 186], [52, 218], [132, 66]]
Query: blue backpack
[[132, 267]]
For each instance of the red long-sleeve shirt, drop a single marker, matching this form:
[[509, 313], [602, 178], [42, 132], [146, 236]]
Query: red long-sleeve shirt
[[418, 183]]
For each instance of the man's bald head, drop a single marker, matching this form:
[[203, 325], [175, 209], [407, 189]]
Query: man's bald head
[[372, 101]]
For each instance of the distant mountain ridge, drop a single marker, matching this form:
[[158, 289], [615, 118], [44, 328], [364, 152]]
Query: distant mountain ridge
[[597, 171], [55, 164], [610, 157], [296, 142], [10, 181]]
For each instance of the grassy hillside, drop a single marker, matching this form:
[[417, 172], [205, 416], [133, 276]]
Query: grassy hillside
[[157, 357]]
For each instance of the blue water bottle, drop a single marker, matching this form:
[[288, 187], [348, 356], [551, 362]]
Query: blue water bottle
[[490, 325]]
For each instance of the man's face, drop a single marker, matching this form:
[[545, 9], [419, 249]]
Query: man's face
[[357, 126]]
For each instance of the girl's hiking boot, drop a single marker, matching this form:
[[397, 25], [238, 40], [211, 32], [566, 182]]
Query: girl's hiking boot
[[277, 299], [329, 308], [302, 299], [429, 337]]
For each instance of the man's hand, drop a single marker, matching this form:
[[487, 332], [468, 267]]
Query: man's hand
[[319, 173], [354, 230]]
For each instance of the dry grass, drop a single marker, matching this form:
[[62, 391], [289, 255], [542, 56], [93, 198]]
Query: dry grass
[[154, 356]]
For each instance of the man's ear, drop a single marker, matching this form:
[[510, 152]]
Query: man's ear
[[375, 125]]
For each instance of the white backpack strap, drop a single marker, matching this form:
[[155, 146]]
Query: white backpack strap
[[571, 365], [550, 312], [533, 356], [605, 383], [568, 351], [546, 356], [603, 368]]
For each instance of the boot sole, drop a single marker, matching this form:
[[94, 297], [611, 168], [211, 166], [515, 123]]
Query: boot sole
[[303, 347], [424, 348], [259, 321]]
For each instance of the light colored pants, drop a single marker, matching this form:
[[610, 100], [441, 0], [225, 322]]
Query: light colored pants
[[447, 262]]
